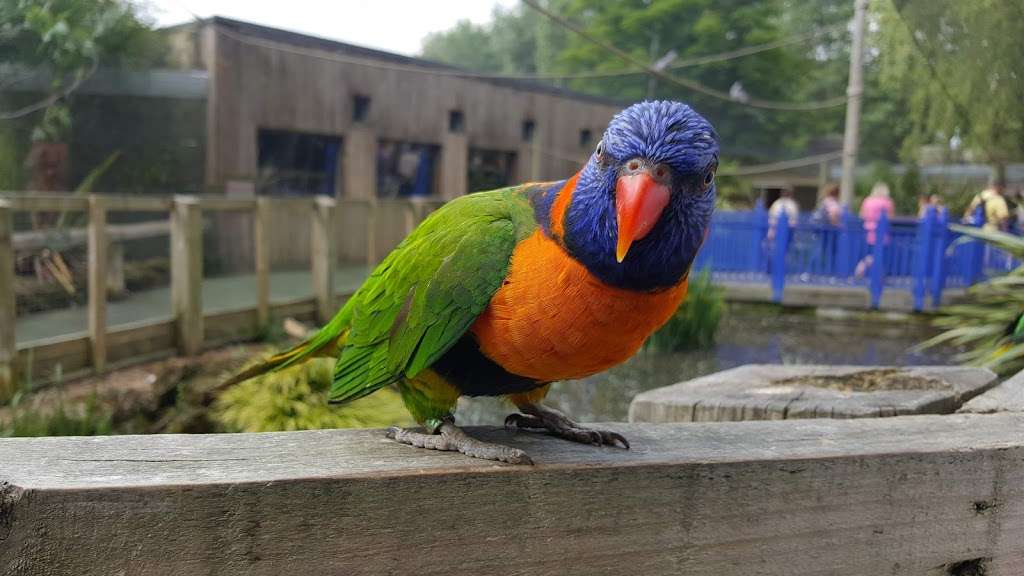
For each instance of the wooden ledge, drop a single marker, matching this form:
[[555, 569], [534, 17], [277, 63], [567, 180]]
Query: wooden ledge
[[909, 495]]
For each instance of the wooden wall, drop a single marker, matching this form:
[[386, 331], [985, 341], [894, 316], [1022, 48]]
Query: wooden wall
[[257, 83]]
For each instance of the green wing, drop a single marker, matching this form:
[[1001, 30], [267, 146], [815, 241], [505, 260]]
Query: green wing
[[429, 290]]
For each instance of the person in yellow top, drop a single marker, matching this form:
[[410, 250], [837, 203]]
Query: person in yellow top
[[997, 213]]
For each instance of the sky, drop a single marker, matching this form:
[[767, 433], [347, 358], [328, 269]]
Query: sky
[[392, 25]]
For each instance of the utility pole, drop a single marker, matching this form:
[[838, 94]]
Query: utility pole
[[854, 90]]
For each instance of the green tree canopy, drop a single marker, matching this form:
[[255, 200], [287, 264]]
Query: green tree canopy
[[811, 68], [959, 65]]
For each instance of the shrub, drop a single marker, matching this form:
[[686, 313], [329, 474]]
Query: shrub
[[693, 326], [991, 325]]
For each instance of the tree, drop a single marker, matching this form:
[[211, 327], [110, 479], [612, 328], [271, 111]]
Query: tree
[[69, 39], [514, 41], [521, 40], [959, 65]]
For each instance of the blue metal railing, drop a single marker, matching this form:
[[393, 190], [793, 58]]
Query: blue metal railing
[[922, 256]]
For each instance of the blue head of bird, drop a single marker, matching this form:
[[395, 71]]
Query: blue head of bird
[[644, 199]]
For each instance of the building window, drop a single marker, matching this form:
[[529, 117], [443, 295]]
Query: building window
[[456, 121], [585, 138], [360, 108], [529, 126]]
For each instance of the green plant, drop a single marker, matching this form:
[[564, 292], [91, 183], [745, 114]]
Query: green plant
[[90, 418], [991, 326], [693, 326], [296, 399]]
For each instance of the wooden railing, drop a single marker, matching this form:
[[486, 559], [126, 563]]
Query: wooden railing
[[918, 495], [188, 329]]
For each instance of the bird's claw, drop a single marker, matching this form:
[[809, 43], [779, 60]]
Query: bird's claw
[[565, 428]]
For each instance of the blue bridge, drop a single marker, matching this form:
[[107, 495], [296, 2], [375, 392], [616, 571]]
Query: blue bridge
[[922, 256]]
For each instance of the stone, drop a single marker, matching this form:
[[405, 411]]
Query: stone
[[780, 392], [1006, 397]]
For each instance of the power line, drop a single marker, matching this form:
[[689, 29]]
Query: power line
[[678, 65], [684, 82], [754, 169], [471, 74]]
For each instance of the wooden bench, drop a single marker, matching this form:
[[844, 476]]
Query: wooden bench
[[921, 495]]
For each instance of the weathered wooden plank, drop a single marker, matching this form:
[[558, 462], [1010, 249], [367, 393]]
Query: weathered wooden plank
[[454, 177], [47, 202], [770, 392], [371, 233], [227, 204], [187, 273], [139, 203], [97, 281], [8, 310], [910, 495], [36, 239], [261, 234], [323, 258]]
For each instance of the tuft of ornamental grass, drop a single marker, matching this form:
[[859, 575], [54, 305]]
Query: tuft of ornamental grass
[[296, 399]]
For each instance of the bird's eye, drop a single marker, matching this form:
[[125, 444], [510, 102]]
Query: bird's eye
[[709, 178], [600, 149]]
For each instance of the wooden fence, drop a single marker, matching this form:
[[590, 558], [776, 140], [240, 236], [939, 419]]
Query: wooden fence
[[189, 329]]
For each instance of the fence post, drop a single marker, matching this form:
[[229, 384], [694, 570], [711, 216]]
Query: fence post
[[8, 347], [878, 259], [922, 256], [941, 232], [779, 256], [371, 233], [844, 239], [760, 231], [261, 236], [187, 273], [99, 246], [976, 253], [323, 258]]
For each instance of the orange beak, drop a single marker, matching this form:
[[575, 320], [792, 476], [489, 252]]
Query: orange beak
[[639, 202]]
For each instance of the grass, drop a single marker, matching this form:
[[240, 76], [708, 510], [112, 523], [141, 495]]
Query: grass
[[90, 418]]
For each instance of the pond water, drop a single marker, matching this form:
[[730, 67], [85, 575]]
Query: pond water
[[748, 334]]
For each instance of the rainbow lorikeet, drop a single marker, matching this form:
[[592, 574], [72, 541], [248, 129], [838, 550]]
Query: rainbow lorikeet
[[502, 293]]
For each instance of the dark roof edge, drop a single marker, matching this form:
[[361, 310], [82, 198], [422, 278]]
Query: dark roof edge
[[308, 41]]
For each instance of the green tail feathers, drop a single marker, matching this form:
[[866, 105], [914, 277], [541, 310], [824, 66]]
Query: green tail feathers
[[327, 342]]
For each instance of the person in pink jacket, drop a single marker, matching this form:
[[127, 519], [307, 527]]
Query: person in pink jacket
[[871, 210]]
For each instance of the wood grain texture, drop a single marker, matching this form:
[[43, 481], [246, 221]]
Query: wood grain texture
[[910, 495], [258, 86], [187, 273], [99, 246], [753, 392]]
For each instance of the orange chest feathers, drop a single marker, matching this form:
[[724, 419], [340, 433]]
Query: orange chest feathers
[[553, 320]]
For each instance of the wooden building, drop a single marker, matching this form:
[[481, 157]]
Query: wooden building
[[290, 113]]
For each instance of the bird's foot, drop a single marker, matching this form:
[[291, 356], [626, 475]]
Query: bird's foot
[[539, 417], [452, 438]]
